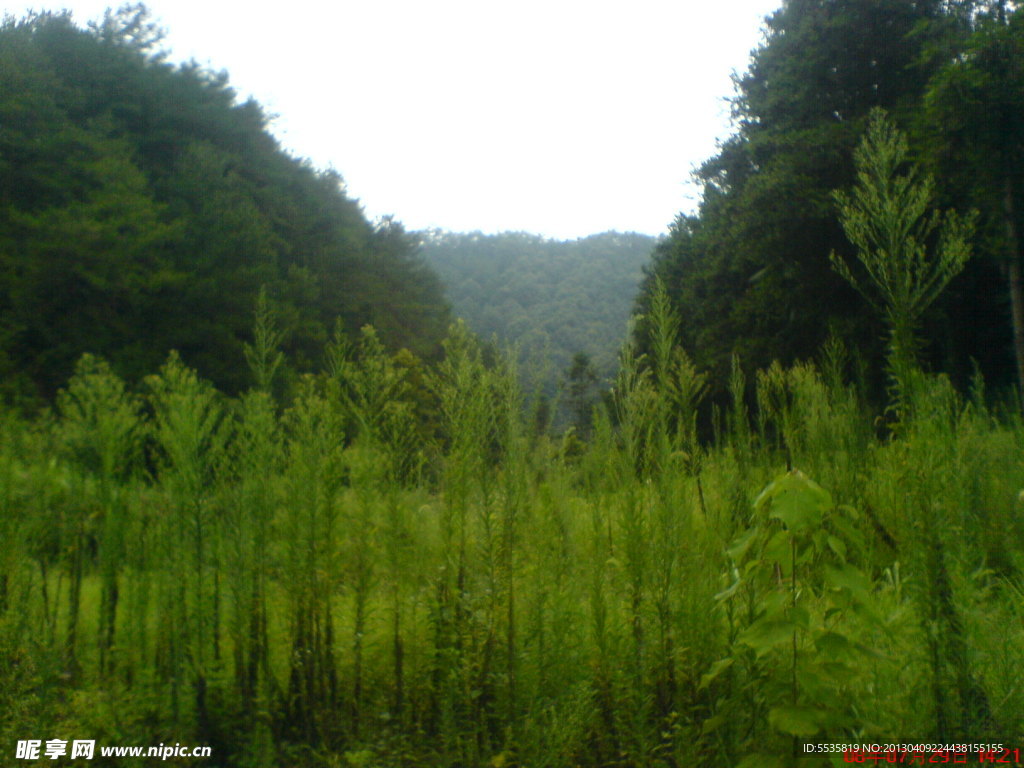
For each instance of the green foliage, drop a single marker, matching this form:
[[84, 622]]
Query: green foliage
[[675, 374], [264, 355], [186, 424], [101, 422], [326, 581], [551, 299], [888, 221], [144, 209], [973, 114], [749, 272], [580, 379], [388, 562]]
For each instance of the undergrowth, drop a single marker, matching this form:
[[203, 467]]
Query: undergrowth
[[392, 567]]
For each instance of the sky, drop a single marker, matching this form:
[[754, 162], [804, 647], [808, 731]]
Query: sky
[[559, 117]]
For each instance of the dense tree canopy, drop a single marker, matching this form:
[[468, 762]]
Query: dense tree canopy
[[974, 110], [552, 298], [749, 273], [142, 208]]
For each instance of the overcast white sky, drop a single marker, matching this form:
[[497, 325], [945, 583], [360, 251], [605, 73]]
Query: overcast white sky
[[560, 117]]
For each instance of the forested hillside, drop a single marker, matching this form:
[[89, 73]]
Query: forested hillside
[[143, 208], [749, 272], [552, 298], [791, 532]]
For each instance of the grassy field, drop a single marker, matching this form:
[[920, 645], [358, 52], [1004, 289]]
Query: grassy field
[[391, 568]]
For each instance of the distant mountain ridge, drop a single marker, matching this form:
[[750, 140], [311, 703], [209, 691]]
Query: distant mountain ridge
[[552, 298]]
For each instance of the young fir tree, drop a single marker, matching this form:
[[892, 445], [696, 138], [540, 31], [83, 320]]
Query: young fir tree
[[908, 254]]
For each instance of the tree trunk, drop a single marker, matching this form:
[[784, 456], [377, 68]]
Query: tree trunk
[[1015, 281], [108, 620], [75, 599]]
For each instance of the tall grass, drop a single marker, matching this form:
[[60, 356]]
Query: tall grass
[[391, 567]]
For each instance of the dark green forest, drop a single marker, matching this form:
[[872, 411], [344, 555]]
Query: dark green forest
[[259, 493], [552, 298], [143, 209], [749, 272]]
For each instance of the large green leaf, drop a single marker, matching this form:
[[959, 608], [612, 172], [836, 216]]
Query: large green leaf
[[836, 646], [716, 669], [765, 634], [796, 500], [741, 545], [795, 720], [850, 579]]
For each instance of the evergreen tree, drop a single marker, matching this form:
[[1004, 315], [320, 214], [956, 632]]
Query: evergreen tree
[[975, 108], [580, 382], [887, 219], [749, 274]]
